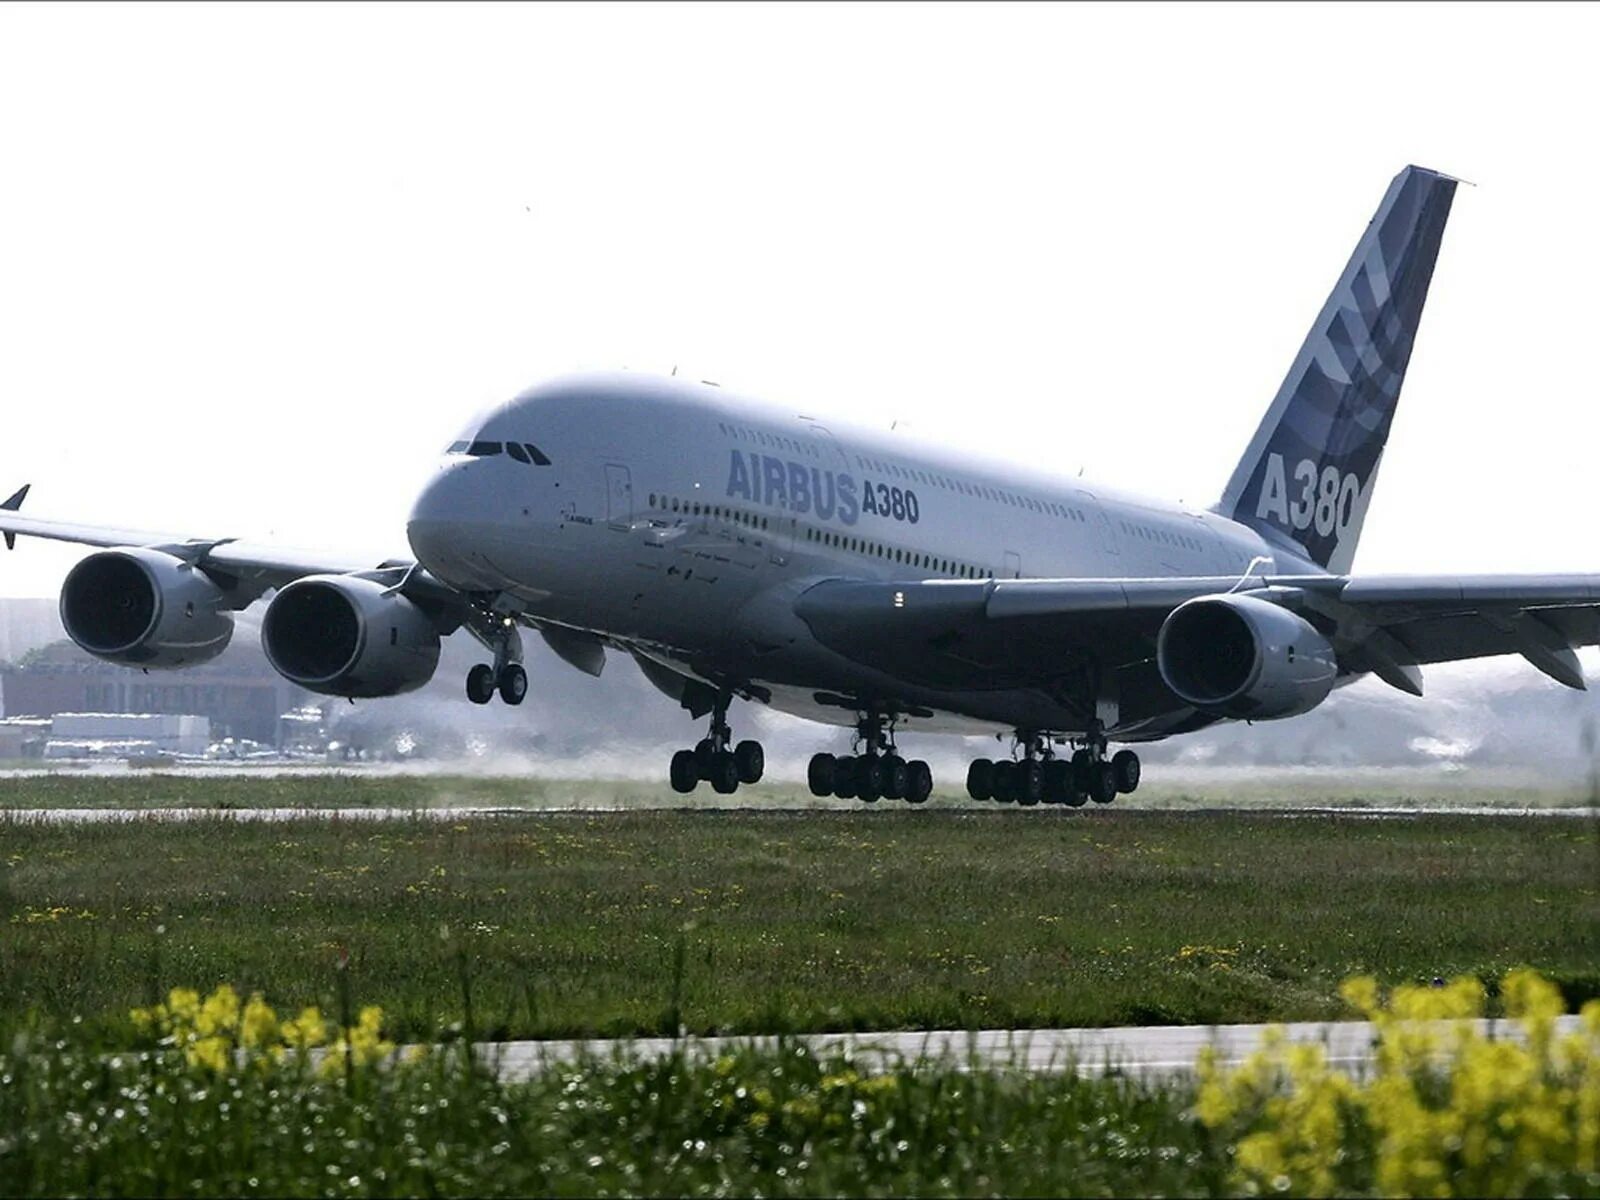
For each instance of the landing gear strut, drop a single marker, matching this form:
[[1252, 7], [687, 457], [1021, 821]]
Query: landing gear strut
[[1040, 776], [876, 770], [712, 761]]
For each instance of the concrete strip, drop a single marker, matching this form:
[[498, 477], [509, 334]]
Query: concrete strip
[[1155, 1051]]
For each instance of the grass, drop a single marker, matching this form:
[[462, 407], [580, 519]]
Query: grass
[[751, 922], [79, 1119]]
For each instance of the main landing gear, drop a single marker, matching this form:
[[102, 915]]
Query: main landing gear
[[876, 771], [713, 762], [1040, 777]]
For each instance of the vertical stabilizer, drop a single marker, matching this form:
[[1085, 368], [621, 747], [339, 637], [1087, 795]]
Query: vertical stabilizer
[[1308, 475]]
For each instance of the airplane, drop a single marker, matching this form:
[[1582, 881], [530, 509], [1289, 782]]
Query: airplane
[[736, 550]]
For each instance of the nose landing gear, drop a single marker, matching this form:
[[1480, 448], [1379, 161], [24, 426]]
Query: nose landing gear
[[877, 771], [712, 761], [506, 676]]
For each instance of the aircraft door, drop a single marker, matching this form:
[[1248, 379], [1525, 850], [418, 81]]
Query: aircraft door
[[619, 496], [1102, 523], [1012, 566]]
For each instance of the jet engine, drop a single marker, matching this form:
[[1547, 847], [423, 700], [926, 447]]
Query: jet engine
[[346, 636], [1244, 657], [145, 608]]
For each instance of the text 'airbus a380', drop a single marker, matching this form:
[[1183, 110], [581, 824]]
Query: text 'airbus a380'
[[736, 550]]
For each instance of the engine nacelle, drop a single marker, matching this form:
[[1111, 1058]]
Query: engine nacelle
[[145, 608], [1244, 657], [345, 636]]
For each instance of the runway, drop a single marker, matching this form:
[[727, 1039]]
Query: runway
[[456, 812], [1151, 1051]]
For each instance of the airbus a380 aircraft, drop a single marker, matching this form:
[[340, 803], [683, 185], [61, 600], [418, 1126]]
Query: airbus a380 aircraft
[[737, 550]]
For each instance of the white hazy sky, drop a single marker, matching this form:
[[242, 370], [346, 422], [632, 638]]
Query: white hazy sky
[[258, 263]]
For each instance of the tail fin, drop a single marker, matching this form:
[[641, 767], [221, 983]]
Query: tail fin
[[1307, 477]]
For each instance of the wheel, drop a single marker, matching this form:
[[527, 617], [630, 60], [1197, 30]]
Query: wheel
[[1083, 764], [685, 772], [751, 761], [513, 683], [1005, 782], [980, 779], [1125, 764], [921, 783], [1057, 780], [480, 684], [844, 777], [1103, 784], [705, 753], [724, 774], [820, 774], [869, 777], [1030, 783], [896, 777]]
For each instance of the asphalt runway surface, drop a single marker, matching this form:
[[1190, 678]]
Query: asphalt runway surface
[[1152, 1051], [98, 816]]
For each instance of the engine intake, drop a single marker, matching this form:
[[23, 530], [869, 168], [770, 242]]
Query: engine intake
[[145, 608], [1244, 657], [341, 635]]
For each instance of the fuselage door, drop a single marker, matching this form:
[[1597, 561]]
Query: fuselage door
[[1012, 566], [1102, 523], [619, 496]]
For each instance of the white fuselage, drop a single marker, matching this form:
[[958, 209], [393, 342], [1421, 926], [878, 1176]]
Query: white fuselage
[[679, 521]]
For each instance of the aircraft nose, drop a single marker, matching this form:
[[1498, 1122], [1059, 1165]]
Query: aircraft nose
[[441, 511]]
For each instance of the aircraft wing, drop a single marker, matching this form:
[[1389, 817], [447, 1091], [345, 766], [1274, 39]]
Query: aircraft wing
[[247, 569], [1033, 632]]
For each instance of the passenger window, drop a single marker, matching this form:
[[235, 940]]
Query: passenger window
[[517, 452]]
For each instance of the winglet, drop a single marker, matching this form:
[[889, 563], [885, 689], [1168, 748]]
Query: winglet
[[13, 505]]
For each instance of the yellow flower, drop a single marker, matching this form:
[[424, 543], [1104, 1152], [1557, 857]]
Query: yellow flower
[[210, 1053], [184, 1005], [259, 1025], [219, 1014]]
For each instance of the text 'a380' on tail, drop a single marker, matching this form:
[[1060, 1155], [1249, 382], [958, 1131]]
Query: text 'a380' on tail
[[1307, 477]]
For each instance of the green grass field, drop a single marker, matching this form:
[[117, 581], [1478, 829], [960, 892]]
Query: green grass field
[[574, 924]]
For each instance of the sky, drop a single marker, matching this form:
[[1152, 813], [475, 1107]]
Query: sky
[[258, 264]]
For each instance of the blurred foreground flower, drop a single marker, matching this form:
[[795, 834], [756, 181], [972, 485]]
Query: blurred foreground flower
[[211, 1032], [1444, 1111]]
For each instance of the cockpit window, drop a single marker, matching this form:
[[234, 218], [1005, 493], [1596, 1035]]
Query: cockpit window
[[517, 452], [457, 448], [536, 454], [483, 449]]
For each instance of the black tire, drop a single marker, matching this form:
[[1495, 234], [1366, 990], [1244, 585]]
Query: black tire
[[480, 684], [1005, 782], [844, 777], [921, 781], [869, 777], [751, 760], [1057, 781], [980, 779], [1030, 783], [705, 753], [1125, 765], [724, 774], [513, 684], [1103, 784], [1083, 764], [685, 772], [820, 773], [896, 777]]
